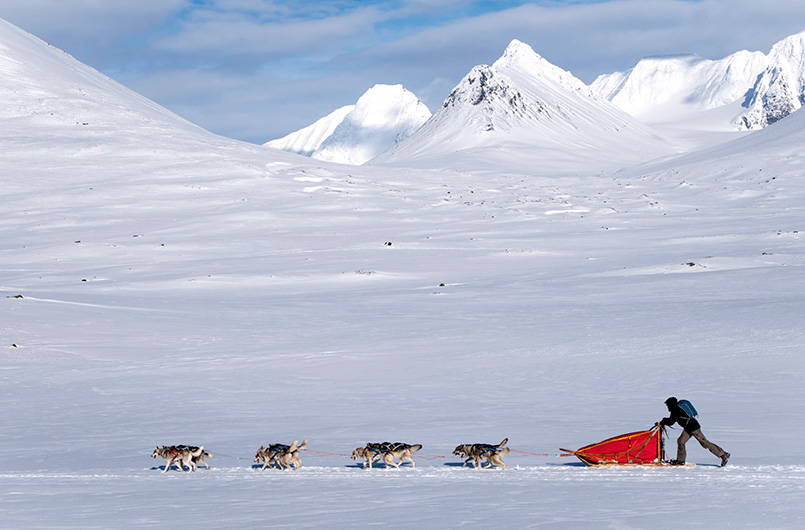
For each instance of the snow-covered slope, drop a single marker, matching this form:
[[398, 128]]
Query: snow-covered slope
[[780, 89], [305, 141], [667, 88], [382, 117], [48, 88], [523, 106], [770, 153]]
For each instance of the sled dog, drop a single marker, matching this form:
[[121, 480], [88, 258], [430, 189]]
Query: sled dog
[[476, 452], [387, 452], [281, 455], [200, 459], [289, 458], [182, 455]]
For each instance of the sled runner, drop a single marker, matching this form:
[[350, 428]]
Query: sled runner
[[642, 448]]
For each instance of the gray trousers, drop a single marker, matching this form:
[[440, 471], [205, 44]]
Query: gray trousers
[[681, 454]]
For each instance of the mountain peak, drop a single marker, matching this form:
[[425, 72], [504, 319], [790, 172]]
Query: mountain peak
[[520, 55], [789, 48], [519, 59], [383, 116], [780, 89], [518, 48]]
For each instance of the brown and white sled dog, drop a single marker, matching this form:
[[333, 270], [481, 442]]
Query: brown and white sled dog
[[281, 455], [182, 455], [477, 452], [387, 452]]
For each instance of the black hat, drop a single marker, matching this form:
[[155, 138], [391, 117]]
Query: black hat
[[671, 401]]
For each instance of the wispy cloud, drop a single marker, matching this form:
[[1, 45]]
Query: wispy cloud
[[256, 69], [216, 34]]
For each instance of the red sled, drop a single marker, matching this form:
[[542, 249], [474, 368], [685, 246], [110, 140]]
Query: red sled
[[643, 448]]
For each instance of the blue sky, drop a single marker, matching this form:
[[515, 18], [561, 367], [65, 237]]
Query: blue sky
[[257, 69]]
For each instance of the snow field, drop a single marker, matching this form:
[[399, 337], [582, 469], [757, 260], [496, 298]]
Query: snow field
[[178, 287], [541, 497]]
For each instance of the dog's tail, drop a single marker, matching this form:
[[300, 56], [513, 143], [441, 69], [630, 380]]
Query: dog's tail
[[503, 443], [503, 451], [415, 447], [294, 446], [302, 446]]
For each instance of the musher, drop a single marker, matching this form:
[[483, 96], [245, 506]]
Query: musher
[[690, 427]]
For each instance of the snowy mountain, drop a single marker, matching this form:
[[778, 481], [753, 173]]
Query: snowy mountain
[[307, 140], [382, 117], [523, 104], [745, 90], [780, 89], [664, 88]]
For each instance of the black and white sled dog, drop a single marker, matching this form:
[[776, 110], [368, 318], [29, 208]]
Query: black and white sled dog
[[387, 452], [281, 455], [476, 452], [189, 456]]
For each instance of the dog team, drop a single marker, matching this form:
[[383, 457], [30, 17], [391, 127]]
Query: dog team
[[286, 456]]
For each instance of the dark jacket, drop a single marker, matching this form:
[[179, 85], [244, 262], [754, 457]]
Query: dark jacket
[[679, 416]]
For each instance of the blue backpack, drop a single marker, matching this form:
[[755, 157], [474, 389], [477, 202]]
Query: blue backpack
[[688, 407]]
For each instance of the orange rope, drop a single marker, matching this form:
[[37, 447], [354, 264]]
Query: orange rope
[[325, 453], [529, 453]]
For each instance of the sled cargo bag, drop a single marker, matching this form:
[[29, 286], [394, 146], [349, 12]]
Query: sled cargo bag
[[635, 448]]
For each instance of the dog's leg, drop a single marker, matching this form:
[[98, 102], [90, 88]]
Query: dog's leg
[[168, 462], [389, 461]]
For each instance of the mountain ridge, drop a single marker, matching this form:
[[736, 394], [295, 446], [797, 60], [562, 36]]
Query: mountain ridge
[[762, 87], [522, 101]]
